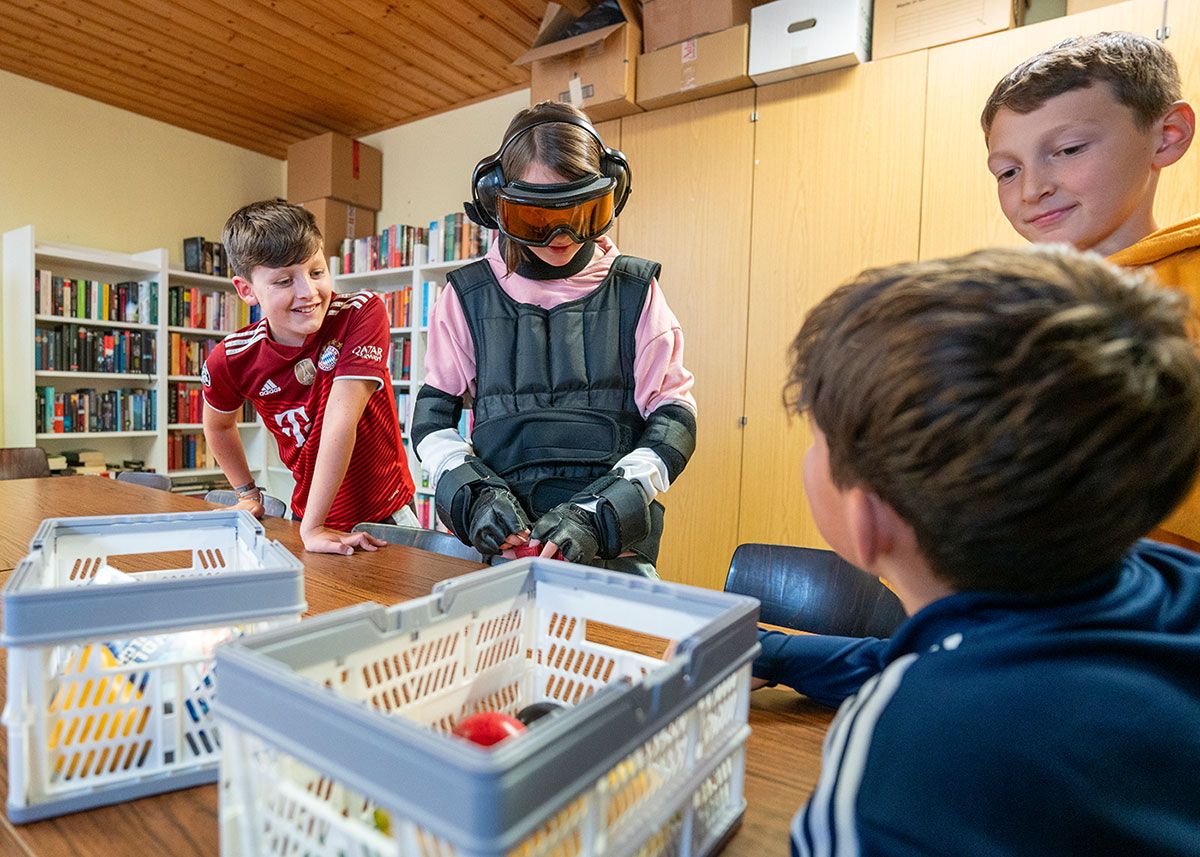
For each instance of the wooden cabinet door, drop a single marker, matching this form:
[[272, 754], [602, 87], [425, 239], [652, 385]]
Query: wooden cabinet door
[[960, 211], [692, 170], [1178, 194], [837, 188]]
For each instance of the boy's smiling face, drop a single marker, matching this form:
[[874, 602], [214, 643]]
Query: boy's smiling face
[[1077, 170], [294, 299]]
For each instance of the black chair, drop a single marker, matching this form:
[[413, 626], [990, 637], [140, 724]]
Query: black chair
[[814, 590], [273, 507], [141, 477], [23, 462], [416, 537]]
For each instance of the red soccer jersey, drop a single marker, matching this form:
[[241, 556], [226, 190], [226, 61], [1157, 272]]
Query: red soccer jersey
[[289, 386]]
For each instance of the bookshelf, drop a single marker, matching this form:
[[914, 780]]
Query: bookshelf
[[27, 326], [200, 310], [424, 280], [88, 332]]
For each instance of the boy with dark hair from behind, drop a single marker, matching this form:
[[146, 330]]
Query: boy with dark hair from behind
[[992, 434], [1077, 138], [315, 367]]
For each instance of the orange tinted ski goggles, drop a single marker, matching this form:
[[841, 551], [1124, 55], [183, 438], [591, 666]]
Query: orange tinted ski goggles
[[533, 214]]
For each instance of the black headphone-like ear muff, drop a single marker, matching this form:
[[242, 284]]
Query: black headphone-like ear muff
[[488, 178]]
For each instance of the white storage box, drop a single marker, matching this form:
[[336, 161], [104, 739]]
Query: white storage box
[[792, 38], [335, 728], [110, 680]]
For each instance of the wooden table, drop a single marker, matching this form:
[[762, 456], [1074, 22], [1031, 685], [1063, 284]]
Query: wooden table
[[782, 756]]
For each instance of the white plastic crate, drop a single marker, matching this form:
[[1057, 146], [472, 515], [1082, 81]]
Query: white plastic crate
[[110, 680], [336, 728]]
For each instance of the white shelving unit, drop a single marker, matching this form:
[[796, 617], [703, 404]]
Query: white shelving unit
[[394, 280], [254, 433], [23, 255]]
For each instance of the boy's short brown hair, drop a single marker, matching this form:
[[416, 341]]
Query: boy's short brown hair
[[272, 233], [1141, 72], [1030, 413]]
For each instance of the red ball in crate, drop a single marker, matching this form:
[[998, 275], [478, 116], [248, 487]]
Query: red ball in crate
[[522, 551], [488, 727]]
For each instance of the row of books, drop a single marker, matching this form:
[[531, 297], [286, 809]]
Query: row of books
[[74, 462], [399, 306], [89, 410], [198, 485], [401, 245], [205, 257], [185, 404], [456, 237], [425, 514], [92, 299], [188, 449], [404, 402], [399, 303], [400, 359], [188, 354], [208, 309], [72, 348]]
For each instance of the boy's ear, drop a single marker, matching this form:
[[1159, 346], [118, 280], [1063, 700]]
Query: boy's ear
[[874, 527], [245, 290], [1175, 132]]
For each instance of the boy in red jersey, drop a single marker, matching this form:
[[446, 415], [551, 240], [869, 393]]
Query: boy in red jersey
[[315, 368]]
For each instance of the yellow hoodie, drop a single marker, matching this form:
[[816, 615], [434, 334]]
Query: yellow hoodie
[[1174, 254]]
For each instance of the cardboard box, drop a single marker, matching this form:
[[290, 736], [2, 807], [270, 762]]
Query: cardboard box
[[335, 167], [695, 68], [791, 38], [909, 25], [668, 22], [338, 221], [595, 71]]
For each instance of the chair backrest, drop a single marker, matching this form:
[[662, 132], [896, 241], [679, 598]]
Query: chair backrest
[[814, 590], [273, 507], [416, 537], [24, 462], [141, 477]]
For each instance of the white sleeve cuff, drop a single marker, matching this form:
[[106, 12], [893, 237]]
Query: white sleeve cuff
[[645, 469], [441, 451]]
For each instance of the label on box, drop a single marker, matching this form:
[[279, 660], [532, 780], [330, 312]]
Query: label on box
[[351, 213], [354, 162], [575, 91], [687, 50]]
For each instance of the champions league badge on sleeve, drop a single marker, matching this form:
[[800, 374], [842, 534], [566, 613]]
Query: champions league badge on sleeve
[[205, 378], [306, 372], [329, 356]]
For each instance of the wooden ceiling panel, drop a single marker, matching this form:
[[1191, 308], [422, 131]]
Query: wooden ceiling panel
[[118, 59], [266, 73]]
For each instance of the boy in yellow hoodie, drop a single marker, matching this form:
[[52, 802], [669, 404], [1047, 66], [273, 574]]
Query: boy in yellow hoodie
[[1077, 137]]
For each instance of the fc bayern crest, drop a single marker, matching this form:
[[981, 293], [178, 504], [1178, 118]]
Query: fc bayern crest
[[329, 357], [306, 372]]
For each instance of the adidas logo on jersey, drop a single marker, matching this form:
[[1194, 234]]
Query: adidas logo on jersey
[[269, 388]]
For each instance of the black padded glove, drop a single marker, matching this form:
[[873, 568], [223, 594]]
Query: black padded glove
[[495, 515], [571, 528]]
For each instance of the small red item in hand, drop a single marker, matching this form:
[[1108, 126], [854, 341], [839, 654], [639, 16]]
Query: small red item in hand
[[489, 727], [522, 551]]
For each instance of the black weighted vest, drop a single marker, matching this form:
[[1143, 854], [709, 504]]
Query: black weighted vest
[[554, 404]]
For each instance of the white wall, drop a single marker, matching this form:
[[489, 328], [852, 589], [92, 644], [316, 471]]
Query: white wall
[[86, 173], [427, 164]]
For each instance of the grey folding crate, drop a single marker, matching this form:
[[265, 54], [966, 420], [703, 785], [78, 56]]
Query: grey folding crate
[[110, 682], [336, 728]]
